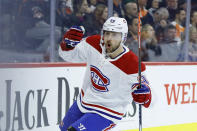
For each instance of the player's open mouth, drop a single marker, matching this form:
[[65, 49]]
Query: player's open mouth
[[108, 45]]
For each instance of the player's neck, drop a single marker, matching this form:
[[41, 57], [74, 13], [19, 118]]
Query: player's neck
[[117, 52]]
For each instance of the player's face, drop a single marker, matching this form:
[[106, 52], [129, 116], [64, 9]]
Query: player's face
[[112, 40]]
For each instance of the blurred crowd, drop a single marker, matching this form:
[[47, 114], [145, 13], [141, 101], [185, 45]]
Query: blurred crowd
[[25, 25]]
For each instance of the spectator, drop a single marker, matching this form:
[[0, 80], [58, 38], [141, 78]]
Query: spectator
[[69, 5], [6, 26], [182, 4], [117, 7], [81, 9], [154, 4], [193, 44], [159, 17], [92, 5], [192, 47], [160, 22], [64, 15], [96, 19], [154, 7], [169, 35], [170, 50], [104, 15], [172, 6], [142, 6], [133, 31], [149, 40], [132, 41], [194, 18], [130, 8], [41, 30], [179, 22], [194, 4], [29, 14]]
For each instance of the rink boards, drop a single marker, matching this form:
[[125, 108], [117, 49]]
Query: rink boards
[[36, 96]]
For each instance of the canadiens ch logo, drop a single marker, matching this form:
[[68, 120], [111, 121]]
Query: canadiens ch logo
[[98, 79]]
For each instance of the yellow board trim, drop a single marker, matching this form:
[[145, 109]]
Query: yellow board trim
[[180, 127]]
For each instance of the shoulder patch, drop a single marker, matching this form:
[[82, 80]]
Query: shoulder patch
[[94, 41], [128, 63]]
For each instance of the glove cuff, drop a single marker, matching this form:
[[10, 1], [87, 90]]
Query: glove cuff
[[147, 103]]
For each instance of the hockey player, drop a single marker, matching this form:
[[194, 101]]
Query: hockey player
[[111, 78]]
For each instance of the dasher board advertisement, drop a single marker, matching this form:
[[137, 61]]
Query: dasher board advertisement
[[36, 97]]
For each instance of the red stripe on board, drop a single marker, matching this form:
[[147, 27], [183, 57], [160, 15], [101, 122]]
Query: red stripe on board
[[40, 65], [104, 108], [169, 63], [66, 64]]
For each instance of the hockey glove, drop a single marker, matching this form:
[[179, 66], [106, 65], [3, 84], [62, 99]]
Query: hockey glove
[[141, 95], [73, 36]]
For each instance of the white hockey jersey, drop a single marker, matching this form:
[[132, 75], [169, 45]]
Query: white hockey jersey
[[107, 83]]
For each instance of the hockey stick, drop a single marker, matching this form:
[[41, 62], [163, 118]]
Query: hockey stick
[[139, 63]]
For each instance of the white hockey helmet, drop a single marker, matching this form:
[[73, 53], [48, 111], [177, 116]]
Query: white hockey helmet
[[116, 24]]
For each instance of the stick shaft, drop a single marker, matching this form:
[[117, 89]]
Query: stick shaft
[[139, 63]]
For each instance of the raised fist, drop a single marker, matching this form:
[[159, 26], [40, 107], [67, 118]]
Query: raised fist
[[74, 35]]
